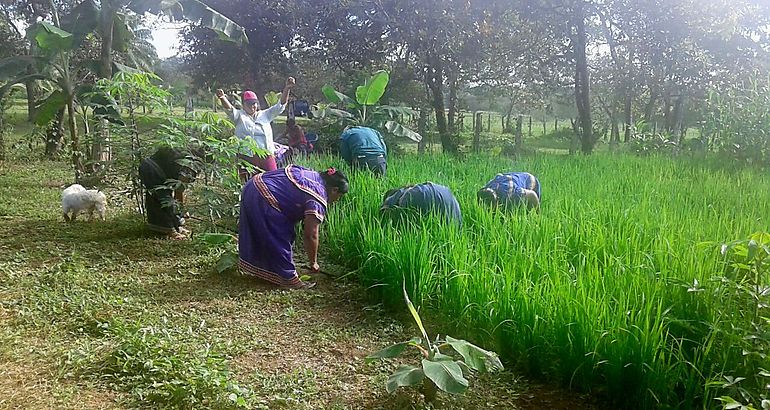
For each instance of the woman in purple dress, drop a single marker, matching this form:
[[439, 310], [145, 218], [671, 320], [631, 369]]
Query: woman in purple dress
[[272, 204]]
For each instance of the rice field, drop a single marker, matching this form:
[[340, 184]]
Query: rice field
[[609, 289]]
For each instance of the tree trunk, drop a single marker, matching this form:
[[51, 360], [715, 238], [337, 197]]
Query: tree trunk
[[614, 133], [100, 148], [575, 141], [530, 127], [668, 112], [435, 80], [650, 106], [106, 23], [679, 109], [582, 81], [33, 90], [422, 128], [54, 135], [77, 160], [452, 101], [627, 115], [188, 107], [2, 132], [518, 141], [507, 125]]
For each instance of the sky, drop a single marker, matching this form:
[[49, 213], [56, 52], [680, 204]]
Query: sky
[[165, 38]]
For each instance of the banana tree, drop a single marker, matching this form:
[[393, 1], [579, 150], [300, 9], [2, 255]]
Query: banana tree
[[53, 66], [364, 109], [112, 21]]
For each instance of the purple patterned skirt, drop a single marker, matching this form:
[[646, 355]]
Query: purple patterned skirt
[[265, 239]]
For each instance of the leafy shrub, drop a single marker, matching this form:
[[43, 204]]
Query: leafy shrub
[[744, 290], [738, 121], [160, 370], [649, 142]]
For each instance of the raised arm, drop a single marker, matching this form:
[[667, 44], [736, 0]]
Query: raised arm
[[223, 99], [290, 83], [277, 109]]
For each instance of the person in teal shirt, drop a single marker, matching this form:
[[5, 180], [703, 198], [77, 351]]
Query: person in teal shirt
[[364, 148]]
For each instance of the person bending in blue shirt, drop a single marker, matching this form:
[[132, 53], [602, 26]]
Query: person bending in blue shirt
[[512, 190], [423, 199], [364, 148]]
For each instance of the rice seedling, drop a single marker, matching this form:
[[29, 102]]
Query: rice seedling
[[597, 290]]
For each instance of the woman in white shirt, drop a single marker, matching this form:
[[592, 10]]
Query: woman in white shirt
[[251, 122]]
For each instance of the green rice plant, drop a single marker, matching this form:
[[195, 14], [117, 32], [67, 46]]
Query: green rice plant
[[437, 370], [596, 291]]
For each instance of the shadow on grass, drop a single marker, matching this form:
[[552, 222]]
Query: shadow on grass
[[121, 236], [206, 287]]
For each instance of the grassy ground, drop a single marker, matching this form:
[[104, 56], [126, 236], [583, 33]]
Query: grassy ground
[[103, 315]]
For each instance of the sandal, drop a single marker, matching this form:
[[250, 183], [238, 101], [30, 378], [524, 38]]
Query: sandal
[[305, 285]]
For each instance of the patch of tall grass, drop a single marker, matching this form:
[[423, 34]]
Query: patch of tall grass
[[595, 291]]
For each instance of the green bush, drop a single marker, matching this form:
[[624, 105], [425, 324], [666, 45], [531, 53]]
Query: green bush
[[160, 369]]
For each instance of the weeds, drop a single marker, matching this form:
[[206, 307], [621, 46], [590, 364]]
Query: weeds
[[161, 368]]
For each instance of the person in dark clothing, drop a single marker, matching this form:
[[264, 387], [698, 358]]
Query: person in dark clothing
[[423, 199], [363, 147], [162, 203]]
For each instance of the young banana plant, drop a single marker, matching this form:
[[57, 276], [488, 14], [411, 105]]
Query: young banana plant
[[438, 367]]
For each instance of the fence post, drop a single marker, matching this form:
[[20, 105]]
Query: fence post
[[530, 126], [477, 134]]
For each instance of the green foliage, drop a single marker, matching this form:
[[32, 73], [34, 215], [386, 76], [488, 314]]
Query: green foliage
[[743, 289], [386, 119], [196, 12], [272, 98], [646, 141], [51, 38], [372, 90], [229, 243], [211, 151], [158, 367], [441, 370], [737, 121]]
